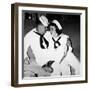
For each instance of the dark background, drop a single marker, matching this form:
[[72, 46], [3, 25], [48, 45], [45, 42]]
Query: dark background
[[69, 21]]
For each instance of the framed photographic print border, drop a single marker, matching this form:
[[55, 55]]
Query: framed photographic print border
[[15, 41]]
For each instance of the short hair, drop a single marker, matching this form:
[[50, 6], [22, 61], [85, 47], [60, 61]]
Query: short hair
[[57, 29]]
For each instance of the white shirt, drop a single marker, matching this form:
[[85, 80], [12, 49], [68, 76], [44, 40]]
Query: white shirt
[[57, 54], [33, 40], [62, 67], [44, 55]]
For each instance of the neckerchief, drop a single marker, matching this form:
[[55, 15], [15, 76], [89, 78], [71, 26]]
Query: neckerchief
[[42, 41], [56, 42]]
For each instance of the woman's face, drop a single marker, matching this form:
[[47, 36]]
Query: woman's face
[[41, 29], [53, 31]]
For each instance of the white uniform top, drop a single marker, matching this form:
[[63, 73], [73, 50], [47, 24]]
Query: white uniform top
[[57, 54], [33, 40], [62, 67], [44, 55]]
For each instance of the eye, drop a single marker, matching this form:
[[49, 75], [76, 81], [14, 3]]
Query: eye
[[51, 28]]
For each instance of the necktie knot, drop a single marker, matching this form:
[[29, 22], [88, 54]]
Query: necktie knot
[[56, 42], [43, 42]]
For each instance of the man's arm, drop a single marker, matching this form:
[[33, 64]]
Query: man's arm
[[69, 45], [31, 55], [73, 61]]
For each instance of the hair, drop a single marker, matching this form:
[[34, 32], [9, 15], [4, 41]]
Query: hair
[[57, 30]]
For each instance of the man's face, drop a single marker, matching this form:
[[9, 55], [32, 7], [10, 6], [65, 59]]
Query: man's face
[[41, 29]]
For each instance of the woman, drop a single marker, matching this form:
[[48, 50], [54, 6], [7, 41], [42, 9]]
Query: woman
[[60, 50]]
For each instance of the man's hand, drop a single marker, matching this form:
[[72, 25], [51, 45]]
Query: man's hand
[[30, 53]]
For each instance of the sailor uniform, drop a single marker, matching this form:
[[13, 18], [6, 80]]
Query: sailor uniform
[[45, 49], [35, 51], [43, 43], [36, 55], [32, 39], [57, 47], [63, 57]]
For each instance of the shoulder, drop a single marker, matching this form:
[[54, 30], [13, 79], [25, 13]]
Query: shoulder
[[29, 34], [67, 40], [64, 36]]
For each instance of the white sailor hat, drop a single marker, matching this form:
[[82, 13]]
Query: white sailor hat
[[44, 20], [57, 24]]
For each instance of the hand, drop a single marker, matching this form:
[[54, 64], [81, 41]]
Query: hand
[[26, 61], [30, 53]]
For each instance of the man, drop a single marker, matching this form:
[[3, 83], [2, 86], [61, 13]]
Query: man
[[35, 48]]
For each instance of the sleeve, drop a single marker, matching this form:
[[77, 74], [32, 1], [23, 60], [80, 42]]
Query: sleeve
[[30, 56], [70, 58], [74, 63], [67, 45], [27, 42], [30, 53]]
